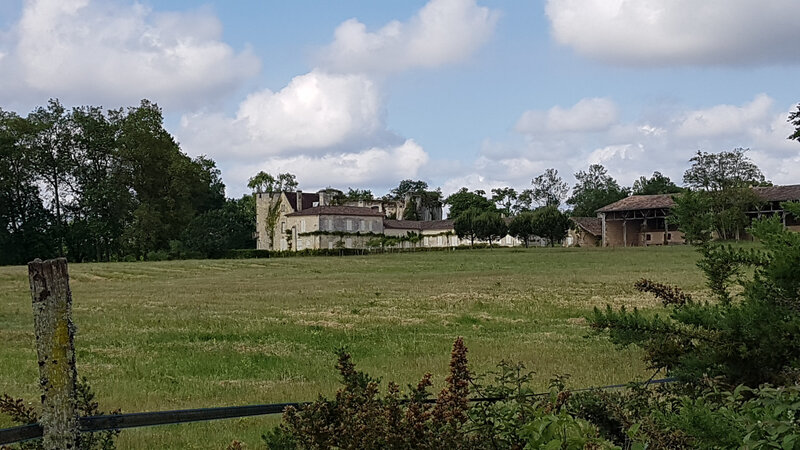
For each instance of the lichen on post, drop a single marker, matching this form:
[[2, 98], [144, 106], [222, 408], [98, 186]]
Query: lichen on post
[[52, 316]]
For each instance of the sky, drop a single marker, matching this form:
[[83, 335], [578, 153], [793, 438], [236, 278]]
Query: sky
[[458, 93]]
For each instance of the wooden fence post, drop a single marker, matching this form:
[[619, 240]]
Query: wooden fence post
[[52, 316]]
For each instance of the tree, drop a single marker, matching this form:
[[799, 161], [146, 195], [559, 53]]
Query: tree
[[715, 172], [551, 224], [465, 224], [464, 199], [725, 179], [692, 214], [264, 183], [524, 201], [657, 184], [794, 119], [408, 187], [750, 341], [549, 189], [355, 195], [505, 200], [521, 227], [214, 232], [490, 226], [593, 190]]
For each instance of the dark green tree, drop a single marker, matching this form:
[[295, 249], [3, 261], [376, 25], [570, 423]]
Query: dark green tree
[[265, 183], [550, 224], [464, 199], [521, 227], [466, 224], [505, 199], [405, 187], [593, 190], [549, 189], [794, 119], [490, 226], [657, 184]]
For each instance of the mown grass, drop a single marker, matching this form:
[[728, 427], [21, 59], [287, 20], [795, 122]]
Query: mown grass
[[183, 334]]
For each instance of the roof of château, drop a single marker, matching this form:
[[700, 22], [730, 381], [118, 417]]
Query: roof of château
[[337, 211], [418, 224], [593, 225]]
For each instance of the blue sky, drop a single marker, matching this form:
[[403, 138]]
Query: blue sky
[[458, 93]]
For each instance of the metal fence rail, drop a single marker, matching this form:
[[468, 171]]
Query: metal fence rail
[[148, 419]]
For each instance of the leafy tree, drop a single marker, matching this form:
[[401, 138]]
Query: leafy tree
[[465, 224], [724, 170], [692, 214], [355, 195], [524, 201], [408, 187], [490, 226], [464, 200], [593, 190], [549, 189], [214, 232], [505, 200], [725, 179], [521, 227], [550, 223], [264, 183], [657, 184], [794, 119]]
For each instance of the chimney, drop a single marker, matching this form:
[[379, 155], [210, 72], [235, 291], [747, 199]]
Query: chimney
[[299, 194], [322, 201]]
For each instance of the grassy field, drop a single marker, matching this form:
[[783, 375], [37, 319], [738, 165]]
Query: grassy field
[[182, 334]]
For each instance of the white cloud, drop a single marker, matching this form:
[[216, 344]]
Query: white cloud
[[632, 149], [655, 32], [442, 32], [315, 113], [589, 114], [373, 168], [724, 120], [116, 52]]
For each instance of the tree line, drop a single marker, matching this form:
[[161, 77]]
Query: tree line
[[95, 185]]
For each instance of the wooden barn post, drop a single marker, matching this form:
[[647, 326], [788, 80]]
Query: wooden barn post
[[52, 317]]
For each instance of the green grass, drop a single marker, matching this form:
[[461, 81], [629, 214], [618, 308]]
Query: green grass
[[185, 334]]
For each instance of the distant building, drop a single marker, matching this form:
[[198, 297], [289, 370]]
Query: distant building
[[588, 232], [641, 220]]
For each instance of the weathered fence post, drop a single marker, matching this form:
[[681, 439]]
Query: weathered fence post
[[52, 316]]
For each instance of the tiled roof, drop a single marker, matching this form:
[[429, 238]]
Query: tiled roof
[[638, 202], [593, 225], [308, 199], [337, 211], [778, 193], [418, 224]]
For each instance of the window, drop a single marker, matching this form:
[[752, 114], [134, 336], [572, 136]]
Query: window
[[361, 225], [283, 227], [648, 236], [370, 225], [303, 226], [349, 224], [330, 225], [669, 236]]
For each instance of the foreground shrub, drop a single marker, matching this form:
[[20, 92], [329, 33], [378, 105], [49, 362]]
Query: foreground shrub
[[19, 412], [748, 338]]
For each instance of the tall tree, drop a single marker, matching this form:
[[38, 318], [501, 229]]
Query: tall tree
[[50, 143], [551, 224], [725, 179], [794, 119], [466, 224], [593, 190], [265, 183], [464, 199], [723, 170], [549, 189], [490, 226], [505, 199], [408, 187], [657, 184], [521, 227]]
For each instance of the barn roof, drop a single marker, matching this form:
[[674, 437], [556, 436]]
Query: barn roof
[[639, 202], [592, 225], [778, 193]]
